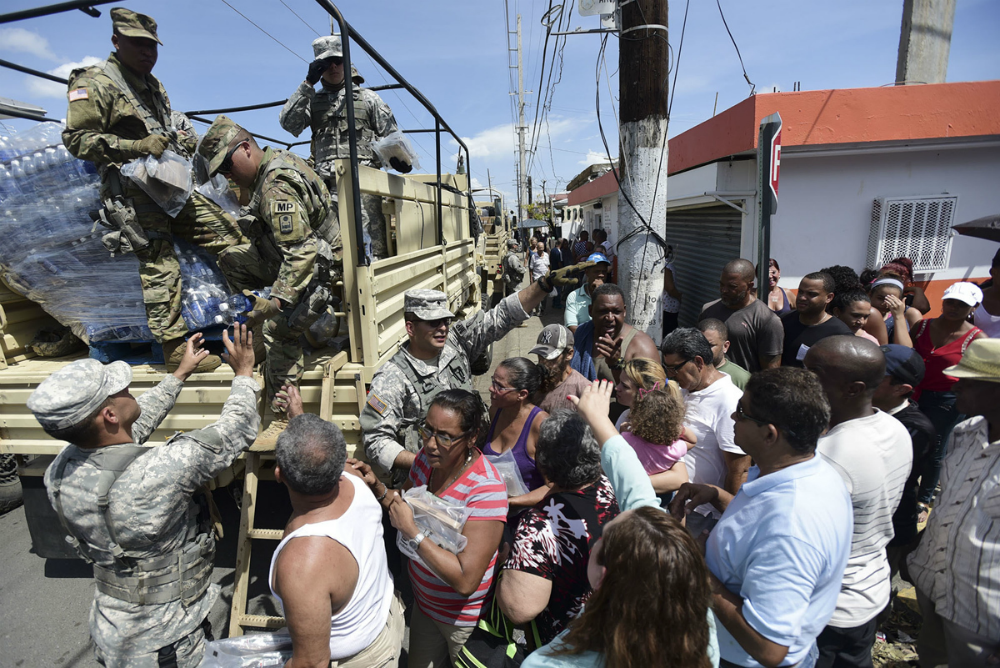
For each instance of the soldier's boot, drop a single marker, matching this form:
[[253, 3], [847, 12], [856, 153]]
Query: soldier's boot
[[269, 438], [173, 353]]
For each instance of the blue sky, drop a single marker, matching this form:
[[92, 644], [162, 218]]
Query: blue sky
[[455, 53]]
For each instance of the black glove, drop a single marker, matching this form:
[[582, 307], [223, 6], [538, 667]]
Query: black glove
[[400, 166], [316, 69]]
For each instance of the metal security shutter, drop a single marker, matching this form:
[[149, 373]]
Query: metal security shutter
[[704, 240]]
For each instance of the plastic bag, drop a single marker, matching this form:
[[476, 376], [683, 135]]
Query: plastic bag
[[396, 145], [167, 179], [255, 650], [217, 189], [511, 474], [439, 519]]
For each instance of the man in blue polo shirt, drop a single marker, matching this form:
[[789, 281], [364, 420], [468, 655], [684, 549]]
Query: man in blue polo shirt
[[578, 302], [779, 552]]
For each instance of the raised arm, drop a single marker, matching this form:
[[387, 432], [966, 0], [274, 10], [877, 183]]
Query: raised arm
[[296, 115]]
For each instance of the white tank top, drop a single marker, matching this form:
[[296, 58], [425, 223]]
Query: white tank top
[[359, 530], [987, 322]]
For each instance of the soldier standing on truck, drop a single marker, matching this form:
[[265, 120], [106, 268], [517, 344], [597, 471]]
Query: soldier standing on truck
[[118, 112], [436, 357], [130, 511], [297, 249], [324, 112], [513, 268]]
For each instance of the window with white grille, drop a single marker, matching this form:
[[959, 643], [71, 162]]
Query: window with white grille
[[915, 227]]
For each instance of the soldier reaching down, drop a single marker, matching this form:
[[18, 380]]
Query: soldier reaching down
[[129, 510]]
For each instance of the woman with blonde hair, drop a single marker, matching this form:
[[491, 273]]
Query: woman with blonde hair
[[640, 373]]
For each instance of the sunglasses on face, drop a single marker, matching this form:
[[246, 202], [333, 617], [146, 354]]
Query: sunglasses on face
[[227, 163], [741, 414], [673, 369]]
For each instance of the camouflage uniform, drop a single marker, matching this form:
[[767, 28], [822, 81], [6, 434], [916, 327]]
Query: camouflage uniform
[[296, 249], [401, 391], [149, 524], [324, 113], [110, 109], [513, 271]]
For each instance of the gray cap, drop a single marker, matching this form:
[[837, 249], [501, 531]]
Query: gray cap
[[427, 304], [72, 393], [512, 243], [552, 341], [327, 47]]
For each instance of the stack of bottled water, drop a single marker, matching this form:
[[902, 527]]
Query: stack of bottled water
[[50, 253]]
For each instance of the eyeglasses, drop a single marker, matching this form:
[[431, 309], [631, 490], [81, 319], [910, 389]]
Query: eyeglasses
[[743, 415], [227, 163], [500, 388], [447, 440], [672, 370], [434, 324]]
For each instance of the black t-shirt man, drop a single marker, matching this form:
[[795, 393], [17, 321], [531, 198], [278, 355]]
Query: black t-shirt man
[[799, 337]]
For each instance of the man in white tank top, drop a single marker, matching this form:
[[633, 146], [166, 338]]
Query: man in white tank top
[[329, 572]]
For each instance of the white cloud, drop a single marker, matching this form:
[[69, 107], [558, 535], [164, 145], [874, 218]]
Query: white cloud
[[492, 142], [594, 158], [25, 41], [46, 88]]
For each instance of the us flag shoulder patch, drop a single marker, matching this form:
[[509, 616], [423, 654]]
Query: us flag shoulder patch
[[78, 94], [377, 404]]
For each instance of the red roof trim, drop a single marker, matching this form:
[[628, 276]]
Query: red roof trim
[[600, 187]]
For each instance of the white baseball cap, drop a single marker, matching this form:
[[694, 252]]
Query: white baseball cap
[[968, 293]]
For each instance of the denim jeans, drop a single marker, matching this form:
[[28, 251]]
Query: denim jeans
[[939, 407]]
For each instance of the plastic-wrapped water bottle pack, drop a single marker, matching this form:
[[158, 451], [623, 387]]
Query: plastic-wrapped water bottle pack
[[49, 253]]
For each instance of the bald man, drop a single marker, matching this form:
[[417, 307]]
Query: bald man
[[873, 453], [755, 333]]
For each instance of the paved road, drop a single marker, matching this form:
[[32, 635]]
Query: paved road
[[46, 602]]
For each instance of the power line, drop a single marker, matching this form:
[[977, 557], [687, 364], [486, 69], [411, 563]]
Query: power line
[[753, 86], [264, 31], [299, 18]]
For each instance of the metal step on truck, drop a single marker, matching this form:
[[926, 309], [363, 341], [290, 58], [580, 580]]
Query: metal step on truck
[[431, 246]]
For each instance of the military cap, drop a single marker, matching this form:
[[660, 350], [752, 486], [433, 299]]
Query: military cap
[[72, 393], [355, 77], [215, 144], [327, 47], [132, 24], [427, 304]]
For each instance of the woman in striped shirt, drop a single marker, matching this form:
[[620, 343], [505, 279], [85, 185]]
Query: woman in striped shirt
[[451, 589]]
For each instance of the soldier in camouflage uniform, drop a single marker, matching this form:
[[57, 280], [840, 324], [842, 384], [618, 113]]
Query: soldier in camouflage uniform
[[324, 113], [436, 357], [130, 511], [297, 248], [118, 112], [513, 268]]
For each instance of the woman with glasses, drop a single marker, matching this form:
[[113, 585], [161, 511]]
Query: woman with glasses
[[516, 423], [449, 589]]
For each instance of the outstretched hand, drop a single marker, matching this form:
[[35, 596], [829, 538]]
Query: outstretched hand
[[689, 496], [239, 350], [193, 355], [593, 405], [289, 400]]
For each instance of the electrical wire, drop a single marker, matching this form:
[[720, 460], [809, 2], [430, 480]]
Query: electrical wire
[[753, 86], [299, 18], [264, 31]]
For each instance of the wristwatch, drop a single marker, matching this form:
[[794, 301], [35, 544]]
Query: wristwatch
[[418, 539]]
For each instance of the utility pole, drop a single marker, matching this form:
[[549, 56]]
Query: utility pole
[[925, 41], [642, 59], [521, 198]]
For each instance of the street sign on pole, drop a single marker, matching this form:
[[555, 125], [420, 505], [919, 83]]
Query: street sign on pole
[[768, 170]]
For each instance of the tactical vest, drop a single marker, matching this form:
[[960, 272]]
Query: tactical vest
[[330, 134], [119, 574], [452, 376], [157, 121]]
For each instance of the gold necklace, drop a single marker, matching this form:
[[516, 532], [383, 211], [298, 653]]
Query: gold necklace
[[454, 477]]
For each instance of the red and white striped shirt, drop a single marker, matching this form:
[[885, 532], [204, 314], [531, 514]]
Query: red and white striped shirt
[[482, 489]]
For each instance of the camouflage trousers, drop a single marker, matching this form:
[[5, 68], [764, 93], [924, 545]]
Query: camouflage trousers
[[188, 652], [200, 222], [247, 270], [372, 220]]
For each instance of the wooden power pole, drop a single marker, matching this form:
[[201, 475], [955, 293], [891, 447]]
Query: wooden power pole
[[643, 61]]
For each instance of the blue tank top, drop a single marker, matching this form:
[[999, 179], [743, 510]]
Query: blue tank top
[[525, 464]]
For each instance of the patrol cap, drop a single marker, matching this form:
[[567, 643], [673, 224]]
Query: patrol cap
[[355, 77], [132, 24], [215, 144], [72, 393], [427, 304], [552, 341], [512, 243], [327, 47], [903, 363]]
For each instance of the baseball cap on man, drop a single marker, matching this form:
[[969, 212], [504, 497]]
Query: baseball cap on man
[[903, 363], [215, 144], [981, 361], [552, 341], [132, 24], [968, 293], [72, 393], [427, 304], [598, 257], [327, 47]]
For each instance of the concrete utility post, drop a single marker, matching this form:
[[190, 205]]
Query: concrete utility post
[[925, 41], [521, 197], [642, 59]]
